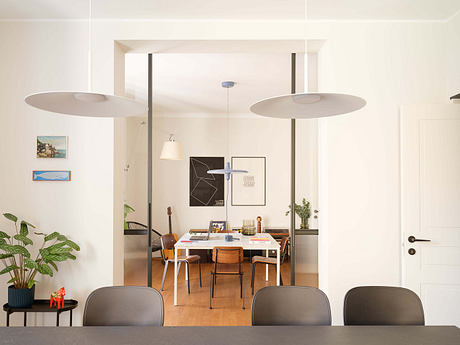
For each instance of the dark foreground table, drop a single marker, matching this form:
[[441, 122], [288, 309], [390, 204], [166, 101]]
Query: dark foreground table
[[318, 335]]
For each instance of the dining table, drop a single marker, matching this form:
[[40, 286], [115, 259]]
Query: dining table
[[259, 241], [257, 335]]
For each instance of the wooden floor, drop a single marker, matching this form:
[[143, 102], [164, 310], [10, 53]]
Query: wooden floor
[[193, 309]]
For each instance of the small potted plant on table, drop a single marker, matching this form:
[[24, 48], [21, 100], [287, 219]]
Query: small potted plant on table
[[16, 257], [304, 212]]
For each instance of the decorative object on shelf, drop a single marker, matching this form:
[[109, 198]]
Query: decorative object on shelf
[[217, 225], [127, 210], [228, 171], [19, 265], [248, 228], [206, 189], [172, 150], [249, 189], [57, 298], [51, 146], [51, 175], [304, 212], [86, 103], [259, 224]]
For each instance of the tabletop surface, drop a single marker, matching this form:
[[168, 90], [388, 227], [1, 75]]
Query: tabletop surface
[[247, 242], [314, 335], [43, 306]]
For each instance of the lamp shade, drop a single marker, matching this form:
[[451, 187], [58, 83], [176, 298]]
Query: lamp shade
[[86, 104], [172, 150], [308, 105]]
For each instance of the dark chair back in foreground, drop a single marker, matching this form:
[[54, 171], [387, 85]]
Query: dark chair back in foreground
[[382, 305], [290, 306], [124, 306]]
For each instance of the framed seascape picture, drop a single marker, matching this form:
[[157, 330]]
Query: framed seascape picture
[[249, 189], [206, 189], [51, 175], [51, 146]]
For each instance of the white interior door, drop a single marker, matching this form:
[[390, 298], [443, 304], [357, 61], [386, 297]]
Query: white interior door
[[430, 201]]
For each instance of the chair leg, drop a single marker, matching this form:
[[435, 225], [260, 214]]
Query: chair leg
[[188, 280], [199, 271], [178, 268], [252, 278], [213, 283], [164, 275], [210, 290], [281, 279]]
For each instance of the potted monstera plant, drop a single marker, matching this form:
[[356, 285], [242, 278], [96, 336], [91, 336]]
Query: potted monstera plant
[[23, 261]]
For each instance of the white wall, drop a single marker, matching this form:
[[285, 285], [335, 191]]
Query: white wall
[[39, 56], [453, 55]]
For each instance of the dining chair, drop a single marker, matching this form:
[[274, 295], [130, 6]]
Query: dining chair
[[167, 243], [124, 306], [382, 305], [227, 261], [290, 306], [270, 261]]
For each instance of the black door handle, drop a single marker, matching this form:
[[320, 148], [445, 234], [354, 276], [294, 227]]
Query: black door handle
[[412, 239]]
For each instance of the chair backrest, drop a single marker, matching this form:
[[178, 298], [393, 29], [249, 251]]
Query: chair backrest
[[168, 241], [283, 245], [227, 255], [382, 305], [124, 306], [290, 306]]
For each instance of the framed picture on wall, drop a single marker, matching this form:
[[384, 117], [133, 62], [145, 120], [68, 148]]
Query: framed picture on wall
[[51, 146], [249, 189], [206, 189]]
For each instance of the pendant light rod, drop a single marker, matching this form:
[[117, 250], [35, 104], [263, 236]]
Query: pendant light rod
[[149, 173], [293, 132], [90, 43]]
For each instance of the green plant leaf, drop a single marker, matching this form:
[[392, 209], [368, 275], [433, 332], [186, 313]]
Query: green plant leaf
[[8, 269], [55, 257], [51, 236], [2, 241], [5, 256], [31, 225], [11, 217], [17, 249], [54, 265], [11, 280], [4, 235], [55, 246], [30, 264], [45, 269], [24, 230], [23, 239], [68, 255], [31, 283], [73, 245], [61, 238], [60, 250]]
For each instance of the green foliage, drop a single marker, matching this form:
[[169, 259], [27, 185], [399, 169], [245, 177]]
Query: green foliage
[[16, 258], [127, 210], [303, 211]]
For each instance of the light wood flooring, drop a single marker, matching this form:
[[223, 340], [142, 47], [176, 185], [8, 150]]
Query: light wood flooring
[[193, 309]]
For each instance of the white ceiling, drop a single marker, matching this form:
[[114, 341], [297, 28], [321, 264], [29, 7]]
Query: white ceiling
[[235, 9], [190, 84]]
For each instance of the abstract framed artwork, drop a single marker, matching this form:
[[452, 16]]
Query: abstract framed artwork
[[49, 146], [249, 189], [51, 175], [206, 189]]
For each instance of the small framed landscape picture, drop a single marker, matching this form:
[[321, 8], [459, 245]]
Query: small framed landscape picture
[[51, 175], [49, 146]]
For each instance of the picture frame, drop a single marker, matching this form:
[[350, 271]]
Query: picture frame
[[249, 189], [51, 146], [206, 190], [220, 225], [52, 175]]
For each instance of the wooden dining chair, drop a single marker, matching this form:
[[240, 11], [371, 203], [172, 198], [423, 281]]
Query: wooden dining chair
[[268, 261], [227, 261], [167, 243]]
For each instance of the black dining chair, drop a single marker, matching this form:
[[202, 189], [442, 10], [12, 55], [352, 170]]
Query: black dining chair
[[290, 306], [382, 305], [124, 306]]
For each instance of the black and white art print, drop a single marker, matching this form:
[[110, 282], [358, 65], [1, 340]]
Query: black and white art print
[[206, 189]]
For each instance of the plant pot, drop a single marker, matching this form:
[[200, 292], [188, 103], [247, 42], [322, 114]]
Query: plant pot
[[304, 224], [20, 298]]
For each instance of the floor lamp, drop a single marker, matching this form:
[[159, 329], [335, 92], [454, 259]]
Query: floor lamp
[[303, 106]]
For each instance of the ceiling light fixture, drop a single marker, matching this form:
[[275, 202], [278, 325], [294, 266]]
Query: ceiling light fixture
[[86, 103]]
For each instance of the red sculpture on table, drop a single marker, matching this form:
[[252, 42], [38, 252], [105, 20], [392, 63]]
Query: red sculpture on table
[[58, 298]]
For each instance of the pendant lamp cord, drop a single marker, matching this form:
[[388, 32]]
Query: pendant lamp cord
[[228, 157], [90, 74]]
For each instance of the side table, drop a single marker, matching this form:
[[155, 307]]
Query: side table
[[41, 306]]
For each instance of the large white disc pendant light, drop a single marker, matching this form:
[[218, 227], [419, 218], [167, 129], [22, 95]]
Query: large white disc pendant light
[[308, 105], [86, 103]]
